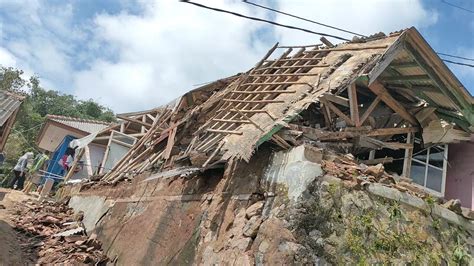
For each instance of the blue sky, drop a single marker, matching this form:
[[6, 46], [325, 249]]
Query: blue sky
[[133, 55]]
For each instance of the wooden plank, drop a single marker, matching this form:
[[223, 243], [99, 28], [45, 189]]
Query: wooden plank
[[406, 78], [349, 49], [408, 64], [221, 131], [263, 92], [336, 99], [252, 101], [370, 109], [276, 83], [170, 143], [77, 158], [408, 154], [380, 90], [292, 67], [354, 107], [326, 42], [231, 121], [290, 60], [285, 74], [372, 143], [130, 119], [338, 112], [392, 131]]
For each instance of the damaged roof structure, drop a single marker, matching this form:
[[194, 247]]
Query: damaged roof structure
[[385, 99], [10, 105]]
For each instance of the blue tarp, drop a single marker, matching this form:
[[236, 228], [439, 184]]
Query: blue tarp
[[54, 168]]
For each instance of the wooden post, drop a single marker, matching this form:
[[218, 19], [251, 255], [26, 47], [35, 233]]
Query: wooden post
[[354, 108], [74, 164], [88, 161], [408, 155]]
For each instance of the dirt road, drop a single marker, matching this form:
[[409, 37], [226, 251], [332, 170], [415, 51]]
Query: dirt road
[[11, 249]]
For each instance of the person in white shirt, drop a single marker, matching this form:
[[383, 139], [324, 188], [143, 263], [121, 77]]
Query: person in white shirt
[[20, 170]]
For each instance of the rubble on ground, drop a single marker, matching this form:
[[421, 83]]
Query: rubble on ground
[[57, 235]]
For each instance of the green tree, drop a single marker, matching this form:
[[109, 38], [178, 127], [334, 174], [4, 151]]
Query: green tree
[[38, 103]]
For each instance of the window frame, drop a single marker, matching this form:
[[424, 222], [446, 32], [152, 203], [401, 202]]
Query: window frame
[[427, 165]]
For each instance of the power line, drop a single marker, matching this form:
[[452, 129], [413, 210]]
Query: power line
[[455, 56], [264, 20], [456, 6], [347, 31], [457, 63], [306, 30], [301, 18]]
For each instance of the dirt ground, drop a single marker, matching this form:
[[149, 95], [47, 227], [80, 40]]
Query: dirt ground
[[12, 252]]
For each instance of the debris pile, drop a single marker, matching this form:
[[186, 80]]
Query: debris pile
[[346, 168], [58, 235]]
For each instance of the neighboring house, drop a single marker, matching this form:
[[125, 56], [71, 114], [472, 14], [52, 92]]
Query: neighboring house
[[9, 106], [56, 128], [57, 133]]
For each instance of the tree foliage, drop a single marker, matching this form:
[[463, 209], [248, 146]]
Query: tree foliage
[[38, 103]]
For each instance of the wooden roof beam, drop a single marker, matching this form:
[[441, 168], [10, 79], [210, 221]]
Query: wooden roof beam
[[378, 89], [406, 78], [404, 64]]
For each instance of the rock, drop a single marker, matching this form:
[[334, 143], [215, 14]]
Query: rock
[[255, 209], [289, 247], [243, 244], [2, 207], [251, 228], [244, 260], [375, 170], [453, 205], [263, 247], [313, 154], [467, 213], [387, 180]]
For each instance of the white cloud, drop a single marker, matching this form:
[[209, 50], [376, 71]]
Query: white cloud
[[180, 45], [6, 58], [364, 17], [164, 52], [137, 61]]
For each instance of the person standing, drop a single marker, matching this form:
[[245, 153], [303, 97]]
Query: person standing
[[20, 170]]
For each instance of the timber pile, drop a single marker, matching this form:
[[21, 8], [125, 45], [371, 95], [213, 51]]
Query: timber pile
[[57, 235]]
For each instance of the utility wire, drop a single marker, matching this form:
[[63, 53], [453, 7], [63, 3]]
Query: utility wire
[[264, 20], [347, 31], [457, 63], [455, 56], [456, 6], [301, 18]]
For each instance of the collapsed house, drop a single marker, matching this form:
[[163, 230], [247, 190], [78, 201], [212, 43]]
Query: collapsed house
[[387, 100], [10, 104], [380, 113]]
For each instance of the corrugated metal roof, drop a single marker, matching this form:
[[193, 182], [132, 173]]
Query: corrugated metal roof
[[86, 125], [9, 102]]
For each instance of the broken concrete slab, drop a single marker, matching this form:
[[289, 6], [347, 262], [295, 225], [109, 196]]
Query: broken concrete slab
[[93, 207], [293, 170]]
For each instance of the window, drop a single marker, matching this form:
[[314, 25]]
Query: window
[[428, 169]]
